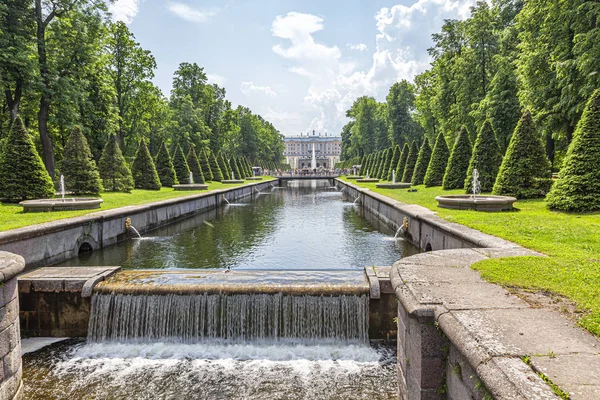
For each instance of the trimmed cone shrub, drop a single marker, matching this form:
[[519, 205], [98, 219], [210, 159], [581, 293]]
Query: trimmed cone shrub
[[214, 167], [223, 165], [376, 163], [394, 163], [386, 163], [363, 162], [248, 167], [235, 170], [422, 163], [143, 169], [164, 167], [114, 171], [78, 165], [411, 161], [486, 158], [22, 172], [525, 169], [382, 156], [401, 166], [205, 166], [182, 169], [437, 165], [365, 169], [456, 171], [578, 184], [194, 165]]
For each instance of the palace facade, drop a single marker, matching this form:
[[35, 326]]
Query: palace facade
[[298, 150]]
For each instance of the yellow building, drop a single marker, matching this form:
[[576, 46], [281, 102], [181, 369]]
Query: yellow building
[[298, 150]]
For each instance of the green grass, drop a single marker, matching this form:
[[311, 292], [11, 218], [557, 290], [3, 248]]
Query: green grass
[[12, 215], [572, 242]]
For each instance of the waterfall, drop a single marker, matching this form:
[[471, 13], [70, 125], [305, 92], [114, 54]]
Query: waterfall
[[237, 318]]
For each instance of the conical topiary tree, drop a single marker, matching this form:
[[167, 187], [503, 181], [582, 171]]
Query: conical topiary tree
[[164, 167], [114, 171], [182, 169], [364, 168], [22, 172], [363, 161], [401, 166], [437, 165], [376, 163], [456, 171], [223, 166], [235, 170], [394, 163], [194, 165], [248, 167], [422, 163], [205, 166], [78, 165], [386, 163], [380, 164], [214, 167], [486, 158], [578, 184], [143, 169], [525, 171], [411, 161]]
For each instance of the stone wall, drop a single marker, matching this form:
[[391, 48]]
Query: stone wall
[[10, 341]]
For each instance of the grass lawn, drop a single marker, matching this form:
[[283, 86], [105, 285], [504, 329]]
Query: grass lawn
[[12, 215], [572, 242]]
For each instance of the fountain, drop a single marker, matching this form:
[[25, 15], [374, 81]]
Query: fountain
[[355, 175], [232, 180], [62, 204], [475, 201], [191, 185], [394, 185]]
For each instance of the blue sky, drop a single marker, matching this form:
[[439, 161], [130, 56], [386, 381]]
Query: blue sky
[[299, 64]]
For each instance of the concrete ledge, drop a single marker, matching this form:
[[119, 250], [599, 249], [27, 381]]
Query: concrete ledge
[[10, 266]]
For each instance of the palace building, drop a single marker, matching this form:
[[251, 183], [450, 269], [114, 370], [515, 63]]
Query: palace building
[[298, 150]]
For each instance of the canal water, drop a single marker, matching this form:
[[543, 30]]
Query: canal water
[[242, 346]]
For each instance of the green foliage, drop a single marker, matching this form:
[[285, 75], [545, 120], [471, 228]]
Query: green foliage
[[235, 169], [164, 167], [422, 163], [380, 163], [182, 169], [456, 171], [578, 184], [22, 172], [114, 171], [143, 169], [437, 165], [214, 167], [78, 166], [195, 167], [401, 166], [401, 106], [385, 167], [525, 165], [393, 163], [411, 161], [486, 159], [224, 167], [205, 166]]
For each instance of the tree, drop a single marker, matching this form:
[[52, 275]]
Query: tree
[[79, 167], [143, 169], [422, 163], [401, 166], [578, 184], [22, 172], [214, 167], [165, 168], [411, 161], [114, 171], [223, 166], [485, 158], [205, 166], [365, 166], [456, 171], [437, 165], [182, 170], [401, 106], [235, 169], [385, 167], [194, 164], [393, 163]]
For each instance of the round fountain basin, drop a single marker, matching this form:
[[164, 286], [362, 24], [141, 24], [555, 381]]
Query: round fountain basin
[[190, 186], [397, 185], [367, 180], [72, 203], [232, 181], [353, 177], [478, 203], [254, 178]]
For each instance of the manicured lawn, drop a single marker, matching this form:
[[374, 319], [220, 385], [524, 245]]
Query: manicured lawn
[[12, 215], [572, 242]]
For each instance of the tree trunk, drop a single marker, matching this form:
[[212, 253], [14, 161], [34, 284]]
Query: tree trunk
[[550, 148], [13, 100], [47, 147], [570, 131]]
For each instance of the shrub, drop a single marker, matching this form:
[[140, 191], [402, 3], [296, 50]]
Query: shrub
[[78, 165], [456, 171], [387, 160], [437, 165], [401, 166], [205, 166], [525, 166], [194, 165], [411, 161], [393, 163], [164, 167], [223, 165], [366, 169], [376, 163], [486, 158], [22, 172], [422, 163], [384, 154], [214, 167], [182, 169], [235, 169], [144, 170], [578, 184], [114, 171]]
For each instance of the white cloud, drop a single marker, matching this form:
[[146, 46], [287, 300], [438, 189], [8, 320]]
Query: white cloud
[[249, 88], [217, 79], [124, 10], [188, 13], [358, 47]]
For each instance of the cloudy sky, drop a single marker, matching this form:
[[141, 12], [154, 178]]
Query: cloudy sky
[[298, 63]]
